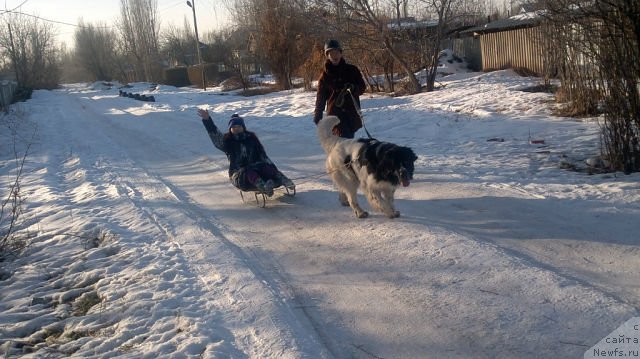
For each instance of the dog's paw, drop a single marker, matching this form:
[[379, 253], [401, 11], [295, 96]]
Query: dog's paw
[[343, 199], [393, 215], [362, 214]]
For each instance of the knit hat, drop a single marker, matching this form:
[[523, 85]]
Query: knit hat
[[236, 120], [330, 45]]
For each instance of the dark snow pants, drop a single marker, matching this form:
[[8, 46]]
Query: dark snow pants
[[247, 177]]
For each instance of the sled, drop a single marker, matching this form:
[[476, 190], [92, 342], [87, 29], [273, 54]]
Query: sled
[[260, 198]]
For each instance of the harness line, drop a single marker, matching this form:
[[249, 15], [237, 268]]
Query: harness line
[[318, 175], [359, 111], [321, 174]]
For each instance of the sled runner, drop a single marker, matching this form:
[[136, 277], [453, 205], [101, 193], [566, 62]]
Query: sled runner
[[260, 198]]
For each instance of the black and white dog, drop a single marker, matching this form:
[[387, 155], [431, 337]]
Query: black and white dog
[[378, 168]]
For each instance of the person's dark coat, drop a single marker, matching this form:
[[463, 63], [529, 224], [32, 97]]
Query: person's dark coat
[[332, 86], [243, 150]]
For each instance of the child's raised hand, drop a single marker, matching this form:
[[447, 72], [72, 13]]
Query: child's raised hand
[[203, 113]]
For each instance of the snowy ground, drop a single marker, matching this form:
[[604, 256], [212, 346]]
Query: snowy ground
[[140, 247]]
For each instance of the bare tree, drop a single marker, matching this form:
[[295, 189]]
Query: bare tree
[[218, 49], [431, 43], [373, 23], [281, 38], [309, 69], [29, 45], [391, 25], [280, 31], [140, 31], [95, 50], [177, 44], [598, 65], [12, 200], [367, 28]]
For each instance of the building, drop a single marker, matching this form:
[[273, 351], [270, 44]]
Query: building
[[515, 42]]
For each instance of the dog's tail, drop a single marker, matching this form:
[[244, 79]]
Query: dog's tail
[[325, 132]]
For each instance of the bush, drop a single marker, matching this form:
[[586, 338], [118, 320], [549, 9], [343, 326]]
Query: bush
[[11, 201], [22, 94]]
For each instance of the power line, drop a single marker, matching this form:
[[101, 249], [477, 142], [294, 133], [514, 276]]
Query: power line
[[171, 6], [49, 20], [17, 7]]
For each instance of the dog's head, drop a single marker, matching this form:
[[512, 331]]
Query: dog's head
[[398, 165]]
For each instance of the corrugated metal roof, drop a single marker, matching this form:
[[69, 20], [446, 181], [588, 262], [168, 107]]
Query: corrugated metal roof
[[529, 19]]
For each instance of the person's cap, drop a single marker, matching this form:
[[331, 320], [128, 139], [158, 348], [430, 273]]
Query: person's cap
[[236, 120], [330, 45]]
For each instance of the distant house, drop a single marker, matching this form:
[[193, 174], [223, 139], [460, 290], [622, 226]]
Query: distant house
[[411, 29], [245, 55], [516, 42], [410, 23], [464, 46]]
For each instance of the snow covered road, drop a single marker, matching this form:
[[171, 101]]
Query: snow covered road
[[498, 253]]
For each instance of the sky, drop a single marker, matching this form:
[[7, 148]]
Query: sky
[[211, 14], [64, 14], [508, 244]]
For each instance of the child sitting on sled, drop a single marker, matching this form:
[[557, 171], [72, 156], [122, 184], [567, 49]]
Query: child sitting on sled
[[250, 169]]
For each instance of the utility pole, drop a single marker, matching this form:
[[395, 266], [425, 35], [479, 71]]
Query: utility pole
[[192, 5]]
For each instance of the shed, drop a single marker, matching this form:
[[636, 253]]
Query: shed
[[515, 42], [465, 46]]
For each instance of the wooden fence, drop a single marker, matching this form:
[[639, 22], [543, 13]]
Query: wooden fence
[[7, 89], [519, 48]]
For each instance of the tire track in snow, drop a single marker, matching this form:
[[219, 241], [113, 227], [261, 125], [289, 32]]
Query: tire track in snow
[[423, 262], [236, 285], [387, 287]]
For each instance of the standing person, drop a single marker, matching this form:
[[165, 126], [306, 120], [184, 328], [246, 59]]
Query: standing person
[[337, 83], [249, 166]]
